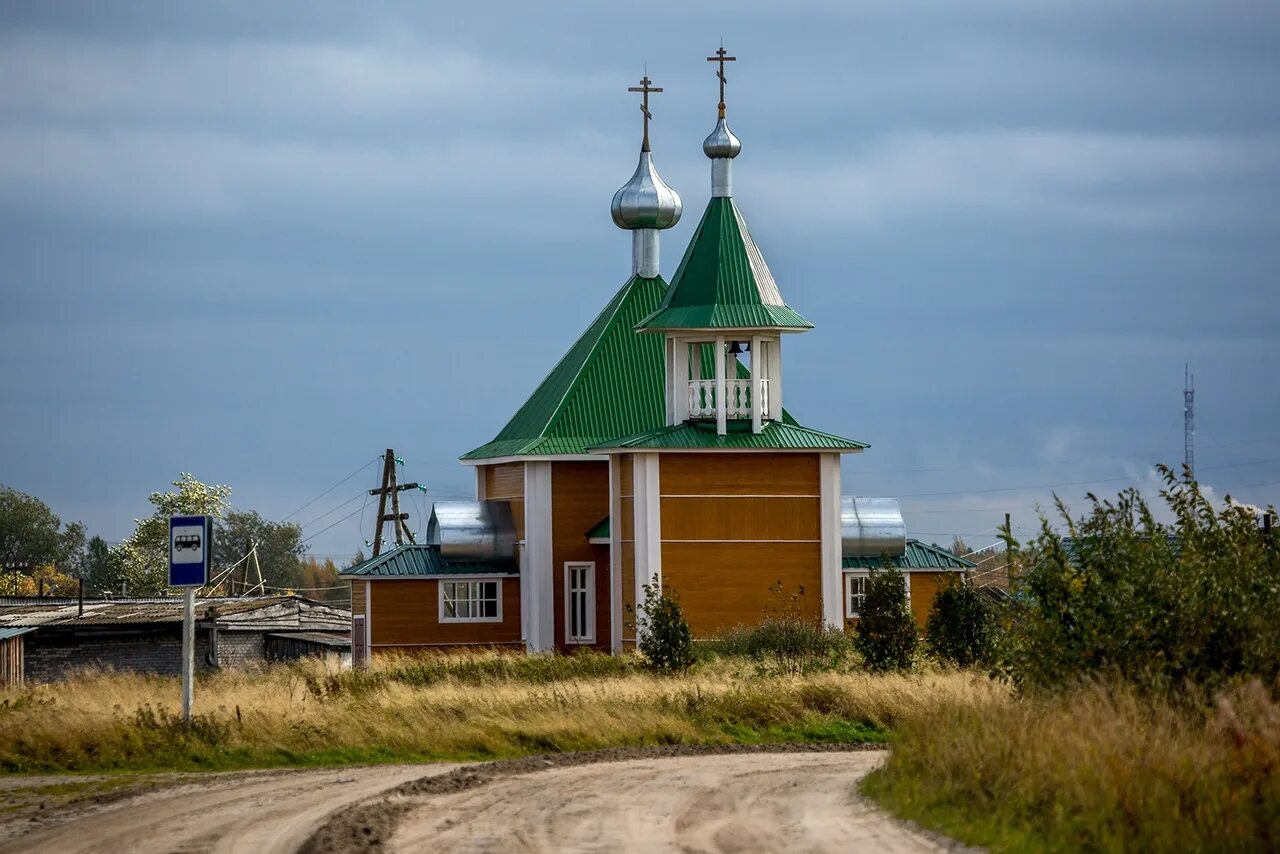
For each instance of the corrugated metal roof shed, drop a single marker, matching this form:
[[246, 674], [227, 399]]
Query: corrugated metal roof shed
[[722, 281], [917, 556], [416, 561], [233, 612], [701, 435]]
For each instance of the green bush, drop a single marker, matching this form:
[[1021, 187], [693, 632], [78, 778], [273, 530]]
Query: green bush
[[886, 634], [959, 627], [786, 644], [1157, 605], [665, 640]]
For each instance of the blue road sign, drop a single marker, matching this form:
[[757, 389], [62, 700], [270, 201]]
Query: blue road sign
[[190, 550]]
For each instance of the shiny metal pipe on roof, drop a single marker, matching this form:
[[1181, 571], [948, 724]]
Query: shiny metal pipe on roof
[[472, 530], [870, 527]]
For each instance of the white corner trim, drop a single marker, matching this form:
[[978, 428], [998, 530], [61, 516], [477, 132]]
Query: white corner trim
[[481, 493], [615, 554], [536, 572], [832, 582], [467, 579], [648, 525]]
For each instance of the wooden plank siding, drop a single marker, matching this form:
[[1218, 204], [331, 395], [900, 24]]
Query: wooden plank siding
[[506, 481], [12, 669], [924, 588], [406, 617], [579, 499], [741, 536]]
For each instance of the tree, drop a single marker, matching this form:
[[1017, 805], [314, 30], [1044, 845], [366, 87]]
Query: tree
[[319, 580], [32, 534], [665, 639], [1159, 606], [279, 547], [886, 633], [97, 569], [959, 627], [142, 561]]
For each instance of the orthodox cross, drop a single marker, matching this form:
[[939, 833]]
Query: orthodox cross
[[644, 106], [722, 59]]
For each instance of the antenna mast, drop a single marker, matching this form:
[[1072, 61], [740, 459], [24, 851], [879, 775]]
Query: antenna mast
[[1189, 422]]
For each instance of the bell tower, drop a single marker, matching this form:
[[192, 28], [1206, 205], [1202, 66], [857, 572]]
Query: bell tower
[[723, 302]]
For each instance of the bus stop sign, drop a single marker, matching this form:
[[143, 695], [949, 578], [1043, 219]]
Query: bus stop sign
[[190, 550]]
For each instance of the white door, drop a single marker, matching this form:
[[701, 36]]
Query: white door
[[580, 603]]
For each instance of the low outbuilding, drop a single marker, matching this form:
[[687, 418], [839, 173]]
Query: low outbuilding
[[45, 639]]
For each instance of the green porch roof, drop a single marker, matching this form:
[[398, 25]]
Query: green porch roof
[[416, 561], [723, 281], [917, 556], [599, 531], [701, 435]]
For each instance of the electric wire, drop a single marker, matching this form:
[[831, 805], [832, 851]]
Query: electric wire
[[363, 466]]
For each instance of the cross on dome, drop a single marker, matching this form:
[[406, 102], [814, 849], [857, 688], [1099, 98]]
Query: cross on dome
[[722, 59], [644, 106]]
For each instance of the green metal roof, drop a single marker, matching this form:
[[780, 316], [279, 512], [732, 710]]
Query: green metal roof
[[702, 435], [723, 281], [610, 383], [917, 556], [413, 561]]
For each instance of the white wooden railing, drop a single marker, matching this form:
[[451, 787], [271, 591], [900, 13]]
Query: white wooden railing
[[702, 398]]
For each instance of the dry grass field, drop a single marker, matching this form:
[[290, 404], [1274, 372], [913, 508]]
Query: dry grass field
[[471, 707]]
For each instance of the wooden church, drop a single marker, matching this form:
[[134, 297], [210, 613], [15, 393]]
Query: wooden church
[[657, 452]]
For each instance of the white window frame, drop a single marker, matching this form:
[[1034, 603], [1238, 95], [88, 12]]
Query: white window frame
[[468, 579], [590, 593], [850, 574]]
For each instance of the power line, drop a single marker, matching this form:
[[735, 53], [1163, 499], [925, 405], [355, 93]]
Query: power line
[[333, 525], [363, 466], [305, 525]]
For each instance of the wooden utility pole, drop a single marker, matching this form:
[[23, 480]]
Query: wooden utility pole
[[1008, 554], [390, 488]]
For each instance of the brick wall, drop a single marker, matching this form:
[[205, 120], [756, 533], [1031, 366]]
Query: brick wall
[[53, 654]]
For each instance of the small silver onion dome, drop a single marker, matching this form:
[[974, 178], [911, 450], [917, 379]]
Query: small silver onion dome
[[721, 142], [646, 201]]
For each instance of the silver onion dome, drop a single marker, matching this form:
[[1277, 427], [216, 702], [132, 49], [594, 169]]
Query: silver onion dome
[[646, 201], [721, 142]]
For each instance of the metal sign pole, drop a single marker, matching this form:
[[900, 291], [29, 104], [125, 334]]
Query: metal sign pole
[[190, 552], [188, 651]]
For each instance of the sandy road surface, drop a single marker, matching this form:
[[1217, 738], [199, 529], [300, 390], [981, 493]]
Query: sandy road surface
[[258, 812], [725, 803]]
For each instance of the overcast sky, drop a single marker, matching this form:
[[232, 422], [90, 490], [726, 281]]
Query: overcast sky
[[262, 242]]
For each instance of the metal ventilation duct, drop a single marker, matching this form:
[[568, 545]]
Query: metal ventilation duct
[[870, 527], [472, 530]]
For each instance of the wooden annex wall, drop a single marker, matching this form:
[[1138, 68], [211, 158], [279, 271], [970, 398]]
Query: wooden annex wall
[[405, 616], [506, 481], [579, 500], [741, 536]]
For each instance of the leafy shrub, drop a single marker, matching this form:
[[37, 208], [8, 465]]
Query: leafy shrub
[[1161, 606], [959, 627], [665, 640], [886, 634], [787, 644]]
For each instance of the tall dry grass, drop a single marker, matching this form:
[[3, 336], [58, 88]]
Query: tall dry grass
[[459, 707], [1102, 768]]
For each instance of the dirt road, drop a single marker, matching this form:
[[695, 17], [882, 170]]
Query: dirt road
[[737, 802], [269, 811], [730, 803]]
